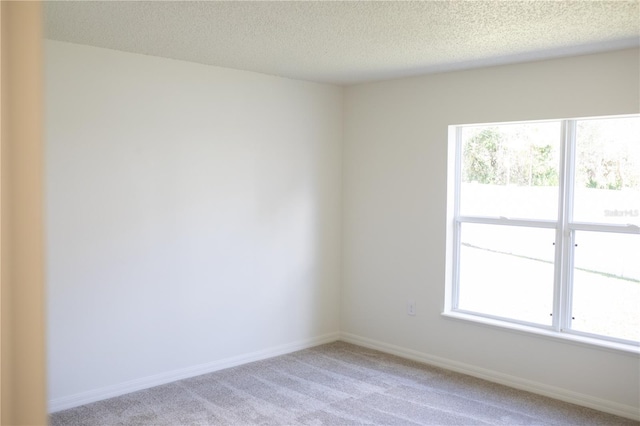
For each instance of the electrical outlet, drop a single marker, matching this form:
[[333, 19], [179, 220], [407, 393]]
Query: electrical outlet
[[411, 307]]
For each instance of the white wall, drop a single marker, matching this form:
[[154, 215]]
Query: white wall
[[394, 220], [193, 215]]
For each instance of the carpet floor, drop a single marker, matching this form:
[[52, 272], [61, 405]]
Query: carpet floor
[[333, 384]]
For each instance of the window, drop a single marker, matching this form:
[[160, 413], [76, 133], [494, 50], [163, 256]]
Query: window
[[546, 226]]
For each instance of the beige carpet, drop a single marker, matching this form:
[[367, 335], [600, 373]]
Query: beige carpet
[[333, 384]]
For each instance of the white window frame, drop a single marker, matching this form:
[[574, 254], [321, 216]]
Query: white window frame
[[565, 228]]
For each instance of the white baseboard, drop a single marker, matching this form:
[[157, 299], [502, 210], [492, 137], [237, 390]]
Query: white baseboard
[[82, 398], [497, 377]]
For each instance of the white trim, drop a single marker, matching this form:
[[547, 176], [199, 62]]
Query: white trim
[[455, 297], [571, 337], [94, 395], [629, 228], [559, 275], [502, 220], [565, 311], [495, 319], [497, 377], [546, 120]]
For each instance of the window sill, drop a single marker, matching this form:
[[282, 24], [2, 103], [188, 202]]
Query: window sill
[[545, 334]]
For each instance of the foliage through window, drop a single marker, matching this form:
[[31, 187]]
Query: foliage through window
[[546, 225]]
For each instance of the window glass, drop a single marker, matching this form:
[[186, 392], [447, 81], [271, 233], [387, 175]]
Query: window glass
[[507, 271], [510, 170], [607, 172], [606, 288]]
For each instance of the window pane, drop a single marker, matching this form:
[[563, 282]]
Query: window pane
[[607, 180], [606, 284], [510, 170], [507, 271]]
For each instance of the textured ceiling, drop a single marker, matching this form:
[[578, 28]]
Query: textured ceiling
[[348, 42]]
